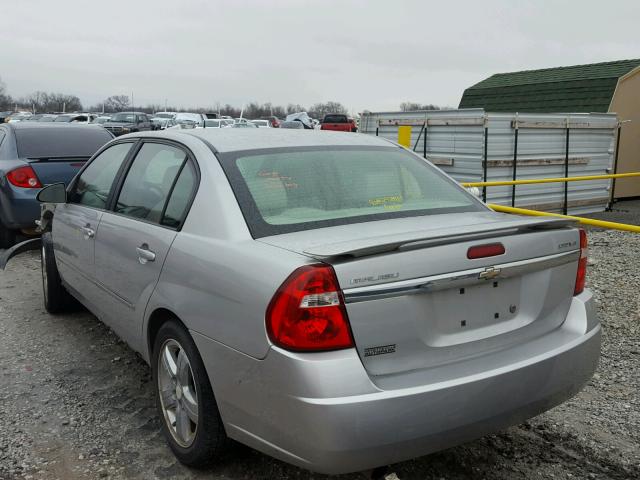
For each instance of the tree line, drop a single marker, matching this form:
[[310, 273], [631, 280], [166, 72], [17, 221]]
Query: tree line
[[43, 102]]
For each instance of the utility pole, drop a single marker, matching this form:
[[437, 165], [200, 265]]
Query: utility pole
[[165, 104]]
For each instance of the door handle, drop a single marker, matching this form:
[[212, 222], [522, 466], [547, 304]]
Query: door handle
[[144, 254], [88, 232]]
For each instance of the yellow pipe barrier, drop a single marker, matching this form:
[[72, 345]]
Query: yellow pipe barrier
[[586, 221], [549, 180]]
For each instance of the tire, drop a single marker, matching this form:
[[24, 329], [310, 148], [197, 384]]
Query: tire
[[7, 237], [56, 297], [195, 444]]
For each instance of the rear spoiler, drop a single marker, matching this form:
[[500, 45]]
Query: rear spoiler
[[421, 239], [31, 244], [74, 158]]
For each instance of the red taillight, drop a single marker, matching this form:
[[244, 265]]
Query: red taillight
[[581, 275], [307, 312], [24, 177], [488, 250]]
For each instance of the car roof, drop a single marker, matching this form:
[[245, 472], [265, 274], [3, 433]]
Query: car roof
[[31, 125], [236, 139]]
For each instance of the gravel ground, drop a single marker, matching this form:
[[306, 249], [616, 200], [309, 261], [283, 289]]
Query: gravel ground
[[76, 403]]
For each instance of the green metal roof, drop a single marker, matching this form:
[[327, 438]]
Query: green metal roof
[[579, 88]]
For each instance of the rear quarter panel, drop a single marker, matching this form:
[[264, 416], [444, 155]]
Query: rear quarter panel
[[221, 290], [18, 206]]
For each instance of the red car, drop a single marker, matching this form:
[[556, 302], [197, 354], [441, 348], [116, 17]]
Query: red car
[[274, 122], [338, 122]]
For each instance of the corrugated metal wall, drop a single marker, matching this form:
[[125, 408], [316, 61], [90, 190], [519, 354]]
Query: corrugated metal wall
[[455, 142]]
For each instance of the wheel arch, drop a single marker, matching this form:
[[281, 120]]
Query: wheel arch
[[157, 318]]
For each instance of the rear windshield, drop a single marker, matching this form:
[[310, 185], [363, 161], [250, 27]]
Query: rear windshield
[[288, 190], [335, 119], [58, 142]]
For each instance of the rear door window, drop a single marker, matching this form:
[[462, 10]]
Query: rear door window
[[285, 190], [95, 182], [150, 181]]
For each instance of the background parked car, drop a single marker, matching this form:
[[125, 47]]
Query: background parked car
[[17, 117], [75, 118], [293, 125], [164, 115], [183, 124], [4, 116], [273, 121], [102, 119], [34, 154], [198, 118], [160, 123], [303, 118], [262, 123], [215, 123], [244, 125], [48, 117], [338, 122], [127, 122]]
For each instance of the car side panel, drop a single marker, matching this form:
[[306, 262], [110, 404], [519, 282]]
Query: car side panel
[[128, 279], [222, 290], [74, 250]]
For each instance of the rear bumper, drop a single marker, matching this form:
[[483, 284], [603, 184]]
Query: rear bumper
[[322, 411]]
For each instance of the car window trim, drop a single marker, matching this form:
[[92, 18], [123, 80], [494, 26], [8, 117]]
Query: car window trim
[[173, 185], [74, 181], [129, 161]]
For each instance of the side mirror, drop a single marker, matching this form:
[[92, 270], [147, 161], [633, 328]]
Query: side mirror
[[54, 193]]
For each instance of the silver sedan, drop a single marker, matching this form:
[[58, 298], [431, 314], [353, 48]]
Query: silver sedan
[[332, 300]]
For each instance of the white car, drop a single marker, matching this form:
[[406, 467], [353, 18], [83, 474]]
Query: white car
[[198, 118], [164, 114], [261, 123], [213, 123], [18, 116], [75, 118]]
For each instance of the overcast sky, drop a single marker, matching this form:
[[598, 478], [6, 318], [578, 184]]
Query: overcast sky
[[366, 54]]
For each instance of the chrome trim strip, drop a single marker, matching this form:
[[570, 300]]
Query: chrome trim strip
[[456, 279]]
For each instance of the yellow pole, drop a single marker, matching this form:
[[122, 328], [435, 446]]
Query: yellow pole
[[549, 180], [586, 221], [404, 136]]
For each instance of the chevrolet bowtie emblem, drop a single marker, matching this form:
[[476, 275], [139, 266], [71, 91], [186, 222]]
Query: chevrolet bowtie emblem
[[489, 273]]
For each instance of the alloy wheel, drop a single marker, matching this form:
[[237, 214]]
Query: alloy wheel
[[178, 394]]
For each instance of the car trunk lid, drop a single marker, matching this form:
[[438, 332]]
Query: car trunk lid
[[416, 301], [56, 169]]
